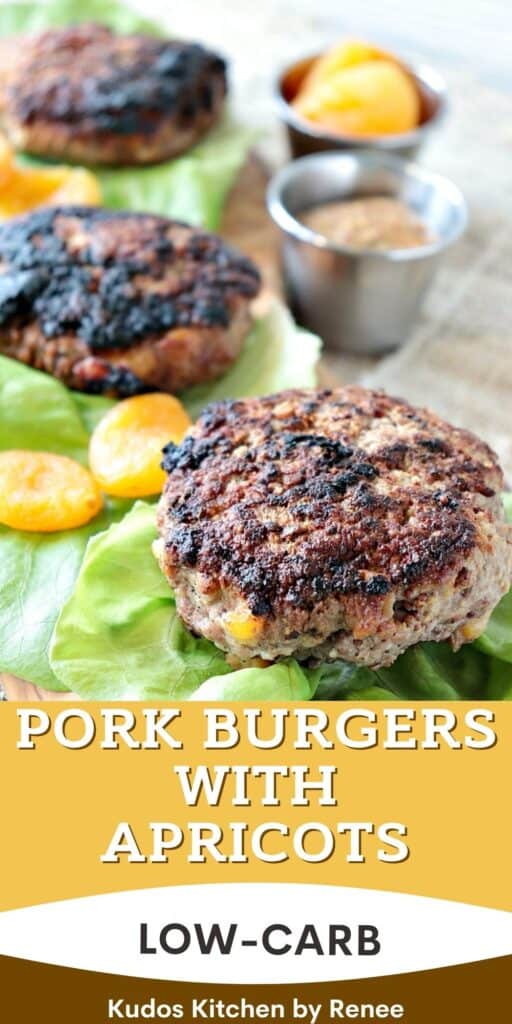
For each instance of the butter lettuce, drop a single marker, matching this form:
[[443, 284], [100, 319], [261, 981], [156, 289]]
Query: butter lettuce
[[192, 187], [38, 413], [118, 636], [284, 681], [18, 18], [497, 639], [131, 643], [38, 571], [429, 671], [500, 680], [37, 575]]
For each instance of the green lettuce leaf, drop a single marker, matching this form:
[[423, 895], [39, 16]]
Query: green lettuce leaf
[[429, 671], [192, 187], [39, 414], [284, 681], [19, 18], [500, 681], [37, 575], [38, 571], [497, 639], [131, 643]]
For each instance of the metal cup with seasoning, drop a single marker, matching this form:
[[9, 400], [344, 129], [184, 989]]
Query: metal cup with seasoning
[[360, 300]]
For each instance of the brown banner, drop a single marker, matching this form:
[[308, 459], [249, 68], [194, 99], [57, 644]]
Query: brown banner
[[475, 993]]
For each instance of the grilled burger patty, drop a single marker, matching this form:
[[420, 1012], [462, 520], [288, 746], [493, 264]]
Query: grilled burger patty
[[85, 94], [119, 303], [332, 524]]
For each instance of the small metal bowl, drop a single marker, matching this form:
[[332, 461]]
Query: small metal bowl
[[305, 137], [360, 300]]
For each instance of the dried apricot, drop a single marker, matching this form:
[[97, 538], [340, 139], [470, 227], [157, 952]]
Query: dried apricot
[[45, 493], [125, 451], [356, 89], [27, 189], [346, 54], [6, 161], [23, 188]]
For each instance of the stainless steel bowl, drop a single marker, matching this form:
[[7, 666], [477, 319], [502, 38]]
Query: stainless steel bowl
[[304, 137], [362, 301]]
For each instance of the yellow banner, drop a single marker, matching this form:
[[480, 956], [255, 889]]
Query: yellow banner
[[405, 798]]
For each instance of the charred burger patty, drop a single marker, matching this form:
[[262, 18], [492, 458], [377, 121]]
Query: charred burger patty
[[119, 303], [85, 94], [332, 524]]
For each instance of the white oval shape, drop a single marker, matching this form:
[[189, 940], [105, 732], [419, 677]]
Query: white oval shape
[[103, 933]]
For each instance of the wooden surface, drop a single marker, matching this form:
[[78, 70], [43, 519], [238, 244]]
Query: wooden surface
[[18, 689]]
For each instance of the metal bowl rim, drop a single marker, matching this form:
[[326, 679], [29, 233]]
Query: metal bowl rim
[[425, 73], [296, 229]]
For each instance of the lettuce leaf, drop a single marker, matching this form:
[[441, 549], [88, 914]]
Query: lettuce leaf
[[38, 413], [500, 681], [38, 571], [429, 671], [133, 646], [18, 18], [37, 575], [119, 636], [192, 187], [497, 639], [284, 681]]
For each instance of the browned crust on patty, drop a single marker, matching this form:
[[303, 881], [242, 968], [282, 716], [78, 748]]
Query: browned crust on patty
[[83, 93], [118, 303], [333, 517]]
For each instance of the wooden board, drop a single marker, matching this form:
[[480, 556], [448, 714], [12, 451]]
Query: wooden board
[[247, 225]]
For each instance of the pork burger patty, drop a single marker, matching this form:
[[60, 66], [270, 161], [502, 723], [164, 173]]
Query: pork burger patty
[[85, 94], [119, 303], [332, 524]]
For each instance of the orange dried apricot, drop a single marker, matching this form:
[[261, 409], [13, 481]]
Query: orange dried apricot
[[45, 493], [125, 451], [24, 188], [6, 161], [356, 89], [346, 54], [27, 189]]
